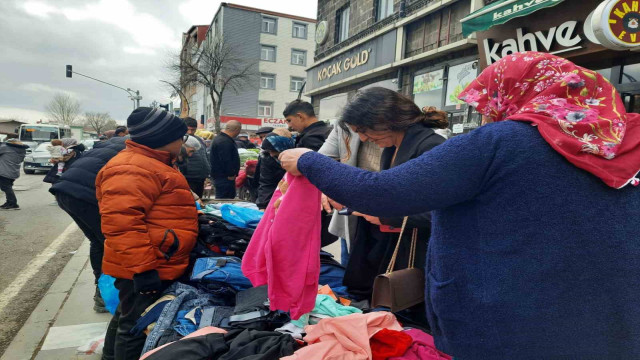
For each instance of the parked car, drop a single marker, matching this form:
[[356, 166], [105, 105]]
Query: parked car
[[38, 160], [89, 144]]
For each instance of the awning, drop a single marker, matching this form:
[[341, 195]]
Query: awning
[[500, 12]]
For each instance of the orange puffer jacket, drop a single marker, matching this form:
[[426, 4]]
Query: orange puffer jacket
[[149, 218]]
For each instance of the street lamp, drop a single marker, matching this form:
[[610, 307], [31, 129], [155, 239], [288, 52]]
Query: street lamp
[[135, 97]]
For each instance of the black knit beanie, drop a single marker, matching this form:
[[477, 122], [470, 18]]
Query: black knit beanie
[[154, 128]]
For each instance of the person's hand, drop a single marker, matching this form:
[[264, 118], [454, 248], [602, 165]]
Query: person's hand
[[372, 219], [328, 204], [289, 160], [231, 178], [147, 283]]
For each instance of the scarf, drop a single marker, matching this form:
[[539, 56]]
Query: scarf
[[576, 110], [277, 143]]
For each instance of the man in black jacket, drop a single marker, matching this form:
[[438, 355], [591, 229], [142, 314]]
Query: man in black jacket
[[225, 161], [76, 195], [198, 167], [301, 118]]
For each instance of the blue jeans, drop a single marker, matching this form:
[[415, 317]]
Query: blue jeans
[[220, 270], [344, 253], [225, 188]]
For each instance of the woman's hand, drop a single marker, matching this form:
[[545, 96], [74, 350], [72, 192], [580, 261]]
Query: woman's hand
[[328, 204], [289, 160], [372, 219]]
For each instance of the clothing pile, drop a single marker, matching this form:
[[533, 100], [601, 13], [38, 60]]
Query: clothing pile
[[226, 229]]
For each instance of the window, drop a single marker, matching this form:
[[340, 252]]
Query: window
[[342, 24], [265, 108], [267, 81], [296, 83], [268, 53], [269, 25], [298, 57], [385, 8], [299, 30]]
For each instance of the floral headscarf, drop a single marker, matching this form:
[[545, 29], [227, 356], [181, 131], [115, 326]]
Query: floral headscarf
[[577, 111]]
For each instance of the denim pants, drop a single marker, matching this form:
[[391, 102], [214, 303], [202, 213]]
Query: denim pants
[[6, 185], [344, 252], [225, 188], [87, 217]]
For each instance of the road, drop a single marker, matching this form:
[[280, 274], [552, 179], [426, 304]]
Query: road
[[40, 235]]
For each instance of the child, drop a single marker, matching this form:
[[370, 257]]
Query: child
[[57, 152], [149, 221]]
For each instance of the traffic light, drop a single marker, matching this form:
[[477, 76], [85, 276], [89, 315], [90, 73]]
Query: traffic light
[[69, 71]]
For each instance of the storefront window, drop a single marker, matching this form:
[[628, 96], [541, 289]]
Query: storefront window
[[428, 88], [605, 72], [460, 76], [331, 107], [631, 73], [464, 122], [387, 84]]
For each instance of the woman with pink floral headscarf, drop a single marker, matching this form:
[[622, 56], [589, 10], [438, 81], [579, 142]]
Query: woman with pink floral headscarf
[[535, 250]]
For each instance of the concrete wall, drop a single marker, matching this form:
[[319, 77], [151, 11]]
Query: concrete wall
[[241, 30]]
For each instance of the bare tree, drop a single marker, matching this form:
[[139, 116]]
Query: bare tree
[[99, 122], [63, 109], [176, 91], [216, 66]]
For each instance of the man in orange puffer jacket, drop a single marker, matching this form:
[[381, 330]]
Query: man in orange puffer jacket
[[149, 221]]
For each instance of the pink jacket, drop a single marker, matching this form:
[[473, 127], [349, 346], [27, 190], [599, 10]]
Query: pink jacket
[[284, 251]]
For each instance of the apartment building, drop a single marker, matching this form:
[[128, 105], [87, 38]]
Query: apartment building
[[413, 46], [282, 47], [191, 42]]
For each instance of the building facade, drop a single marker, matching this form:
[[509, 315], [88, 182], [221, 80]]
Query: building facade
[[190, 97], [280, 45], [412, 46], [598, 35]]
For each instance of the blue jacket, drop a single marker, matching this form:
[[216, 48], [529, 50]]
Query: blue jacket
[[79, 180], [530, 257]]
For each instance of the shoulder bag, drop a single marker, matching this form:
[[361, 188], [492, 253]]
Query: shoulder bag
[[401, 289]]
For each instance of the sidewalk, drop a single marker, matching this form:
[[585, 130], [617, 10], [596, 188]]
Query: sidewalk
[[64, 319]]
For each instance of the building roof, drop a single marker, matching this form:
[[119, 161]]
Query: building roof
[[268, 12], [12, 120]]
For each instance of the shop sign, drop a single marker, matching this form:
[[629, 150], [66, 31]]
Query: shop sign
[[458, 128], [616, 24], [347, 64], [564, 35], [367, 56], [460, 76], [275, 123]]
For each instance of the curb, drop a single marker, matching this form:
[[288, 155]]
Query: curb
[[30, 337]]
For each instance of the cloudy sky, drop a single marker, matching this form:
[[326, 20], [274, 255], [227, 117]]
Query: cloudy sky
[[124, 42]]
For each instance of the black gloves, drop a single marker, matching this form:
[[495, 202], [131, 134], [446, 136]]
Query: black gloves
[[147, 282]]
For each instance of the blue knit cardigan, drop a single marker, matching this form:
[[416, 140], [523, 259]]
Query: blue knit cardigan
[[529, 257]]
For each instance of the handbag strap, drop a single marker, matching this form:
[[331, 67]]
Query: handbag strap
[[414, 244], [392, 263]]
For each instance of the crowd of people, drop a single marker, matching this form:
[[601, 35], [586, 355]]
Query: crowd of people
[[521, 231]]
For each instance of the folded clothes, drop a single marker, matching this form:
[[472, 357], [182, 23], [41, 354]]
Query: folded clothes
[[345, 337], [326, 306]]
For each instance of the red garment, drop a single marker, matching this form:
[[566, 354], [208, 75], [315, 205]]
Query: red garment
[[241, 178], [389, 343], [250, 167], [423, 348], [577, 111]]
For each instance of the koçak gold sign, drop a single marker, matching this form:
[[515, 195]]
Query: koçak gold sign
[[345, 65]]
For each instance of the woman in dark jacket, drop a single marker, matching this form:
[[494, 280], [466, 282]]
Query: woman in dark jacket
[[269, 171], [534, 252], [395, 123]]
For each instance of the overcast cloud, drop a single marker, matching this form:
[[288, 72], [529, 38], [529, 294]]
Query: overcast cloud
[[124, 42]]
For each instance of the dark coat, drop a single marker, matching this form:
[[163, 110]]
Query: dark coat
[[313, 136], [79, 179], [270, 174], [198, 166], [225, 160], [245, 144], [372, 249]]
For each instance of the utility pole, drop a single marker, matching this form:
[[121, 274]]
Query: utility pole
[[134, 97]]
